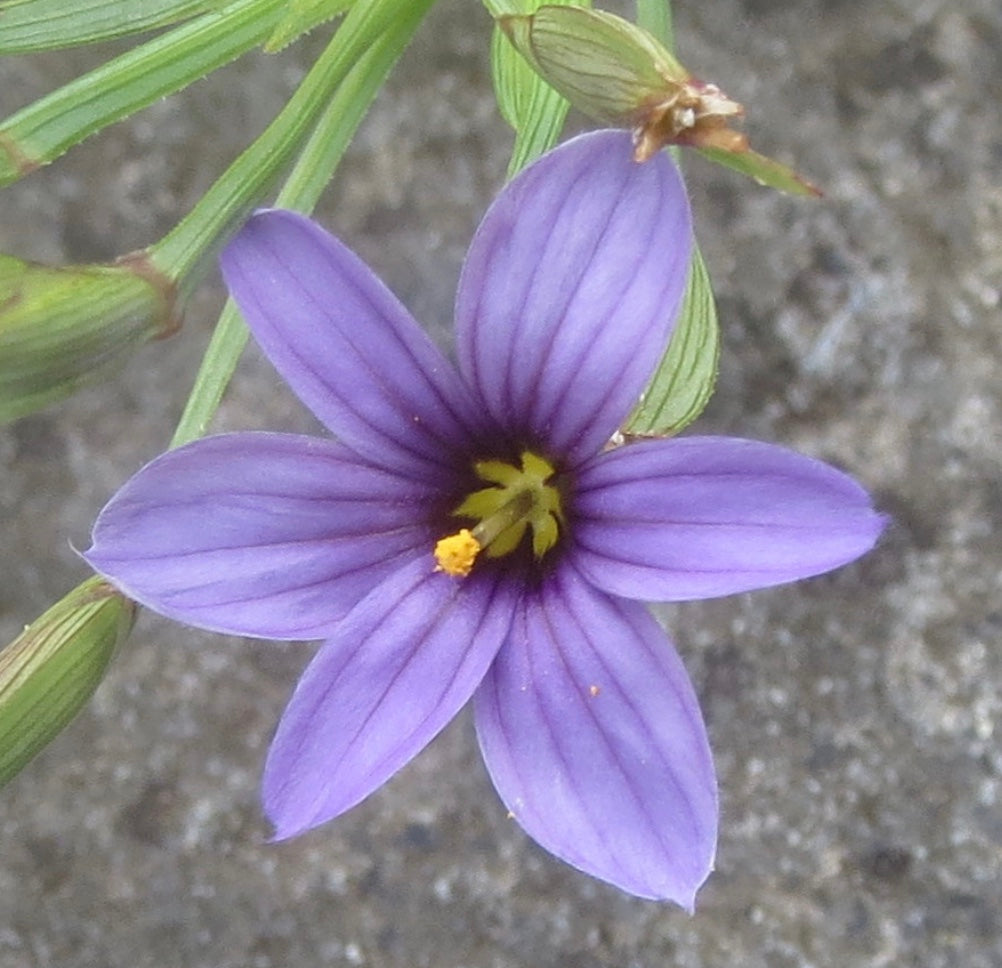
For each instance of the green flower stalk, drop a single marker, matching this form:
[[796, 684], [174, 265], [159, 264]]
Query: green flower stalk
[[53, 667], [61, 327]]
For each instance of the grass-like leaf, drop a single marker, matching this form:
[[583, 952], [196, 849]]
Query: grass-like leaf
[[28, 25], [301, 16], [42, 131], [312, 171]]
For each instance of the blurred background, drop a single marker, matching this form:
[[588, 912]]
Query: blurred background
[[853, 717]]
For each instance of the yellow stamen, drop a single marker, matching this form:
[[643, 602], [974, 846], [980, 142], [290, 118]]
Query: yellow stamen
[[456, 553], [519, 500]]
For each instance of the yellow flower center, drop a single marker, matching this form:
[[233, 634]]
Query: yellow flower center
[[518, 499]]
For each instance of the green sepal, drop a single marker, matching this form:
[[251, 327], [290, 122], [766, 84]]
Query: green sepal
[[302, 16], [683, 383], [53, 667], [62, 327], [29, 25]]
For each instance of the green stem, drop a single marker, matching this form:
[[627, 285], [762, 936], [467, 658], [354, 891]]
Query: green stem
[[41, 132], [198, 237], [312, 172], [655, 17]]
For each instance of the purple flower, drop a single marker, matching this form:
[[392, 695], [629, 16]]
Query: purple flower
[[468, 534]]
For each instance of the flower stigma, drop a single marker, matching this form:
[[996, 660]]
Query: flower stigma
[[517, 500]]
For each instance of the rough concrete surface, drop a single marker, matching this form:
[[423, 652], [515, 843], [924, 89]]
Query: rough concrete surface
[[853, 717]]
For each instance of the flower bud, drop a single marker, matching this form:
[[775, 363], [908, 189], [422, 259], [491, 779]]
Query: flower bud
[[51, 669], [63, 327], [617, 73]]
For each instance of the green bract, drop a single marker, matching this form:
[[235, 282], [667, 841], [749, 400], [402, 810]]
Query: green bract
[[683, 383]]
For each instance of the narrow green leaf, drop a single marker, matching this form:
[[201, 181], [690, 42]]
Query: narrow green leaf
[[766, 171], [27, 25], [685, 378], [53, 667], [308, 178], [191, 245], [302, 16], [42, 131]]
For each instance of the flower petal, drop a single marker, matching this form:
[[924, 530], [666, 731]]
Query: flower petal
[[592, 734], [344, 343], [570, 290], [402, 664], [272, 535], [699, 517]]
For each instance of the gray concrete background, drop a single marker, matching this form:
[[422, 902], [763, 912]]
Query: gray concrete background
[[854, 717]]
